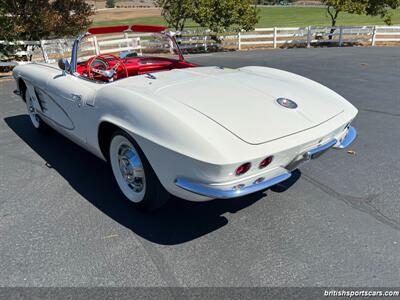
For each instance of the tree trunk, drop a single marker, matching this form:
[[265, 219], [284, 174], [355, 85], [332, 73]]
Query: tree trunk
[[333, 14], [182, 25], [332, 30]]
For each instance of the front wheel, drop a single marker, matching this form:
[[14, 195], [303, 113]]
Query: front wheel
[[133, 173], [36, 121]]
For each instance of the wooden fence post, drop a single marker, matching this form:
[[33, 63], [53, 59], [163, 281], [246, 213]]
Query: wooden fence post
[[275, 31], [239, 41], [44, 53], [127, 41], [29, 52], [373, 40], [308, 36], [340, 36], [205, 43], [96, 45]]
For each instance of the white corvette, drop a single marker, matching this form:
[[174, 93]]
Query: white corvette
[[167, 126]]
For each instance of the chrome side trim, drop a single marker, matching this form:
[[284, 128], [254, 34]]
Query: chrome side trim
[[350, 137], [42, 113], [212, 192]]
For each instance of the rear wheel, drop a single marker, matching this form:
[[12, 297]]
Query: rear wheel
[[133, 173]]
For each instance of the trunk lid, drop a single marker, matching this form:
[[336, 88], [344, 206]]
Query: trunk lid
[[245, 103]]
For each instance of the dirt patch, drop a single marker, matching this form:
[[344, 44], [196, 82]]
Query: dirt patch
[[125, 13]]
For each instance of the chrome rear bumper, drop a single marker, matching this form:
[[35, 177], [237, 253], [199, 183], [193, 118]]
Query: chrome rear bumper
[[212, 192], [238, 190], [349, 138]]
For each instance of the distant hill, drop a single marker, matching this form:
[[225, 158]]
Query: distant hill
[[123, 4]]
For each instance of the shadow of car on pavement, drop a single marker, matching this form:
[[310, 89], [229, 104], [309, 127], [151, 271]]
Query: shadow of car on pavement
[[177, 222]]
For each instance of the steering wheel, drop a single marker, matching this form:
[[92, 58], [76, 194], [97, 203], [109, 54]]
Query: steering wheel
[[99, 66]]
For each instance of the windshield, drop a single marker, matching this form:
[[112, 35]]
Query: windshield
[[128, 45]]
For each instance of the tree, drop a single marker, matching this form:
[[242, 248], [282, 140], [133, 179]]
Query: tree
[[176, 12], [110, 3], [6, 25], [6, 33], [368, 7], [213, 14], [72, 17], [218, 15], [41, 19]]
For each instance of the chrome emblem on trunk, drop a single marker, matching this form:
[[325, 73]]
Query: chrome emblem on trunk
[[287, 103]]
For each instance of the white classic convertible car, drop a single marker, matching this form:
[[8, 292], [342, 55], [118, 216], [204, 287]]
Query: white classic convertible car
[[167, 126]]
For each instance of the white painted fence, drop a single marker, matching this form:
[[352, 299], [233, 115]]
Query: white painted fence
[[192, 41], [313, 35], [386, 34]]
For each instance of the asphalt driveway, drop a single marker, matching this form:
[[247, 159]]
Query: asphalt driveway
[[335, 223]]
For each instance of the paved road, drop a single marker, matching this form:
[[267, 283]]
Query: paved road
[[336, 223]]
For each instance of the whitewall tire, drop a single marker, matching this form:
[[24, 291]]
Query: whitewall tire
[[36, 121], [127, 168], [133, 174]]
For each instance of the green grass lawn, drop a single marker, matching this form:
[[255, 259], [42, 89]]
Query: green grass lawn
[[281, 17]]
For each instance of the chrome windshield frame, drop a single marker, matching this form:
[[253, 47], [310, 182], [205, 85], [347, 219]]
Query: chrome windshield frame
[[75, 47], [74, 52]]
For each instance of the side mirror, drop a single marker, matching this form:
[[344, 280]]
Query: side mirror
[[64, 65]]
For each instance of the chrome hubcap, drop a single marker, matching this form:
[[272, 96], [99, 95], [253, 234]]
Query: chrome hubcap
[[131, 168], [32, 112]]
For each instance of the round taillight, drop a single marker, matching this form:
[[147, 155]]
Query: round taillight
[[265, 162], [243, 169]]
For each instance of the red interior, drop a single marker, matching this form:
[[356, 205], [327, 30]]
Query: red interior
[[134, 65], [143, 65]]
